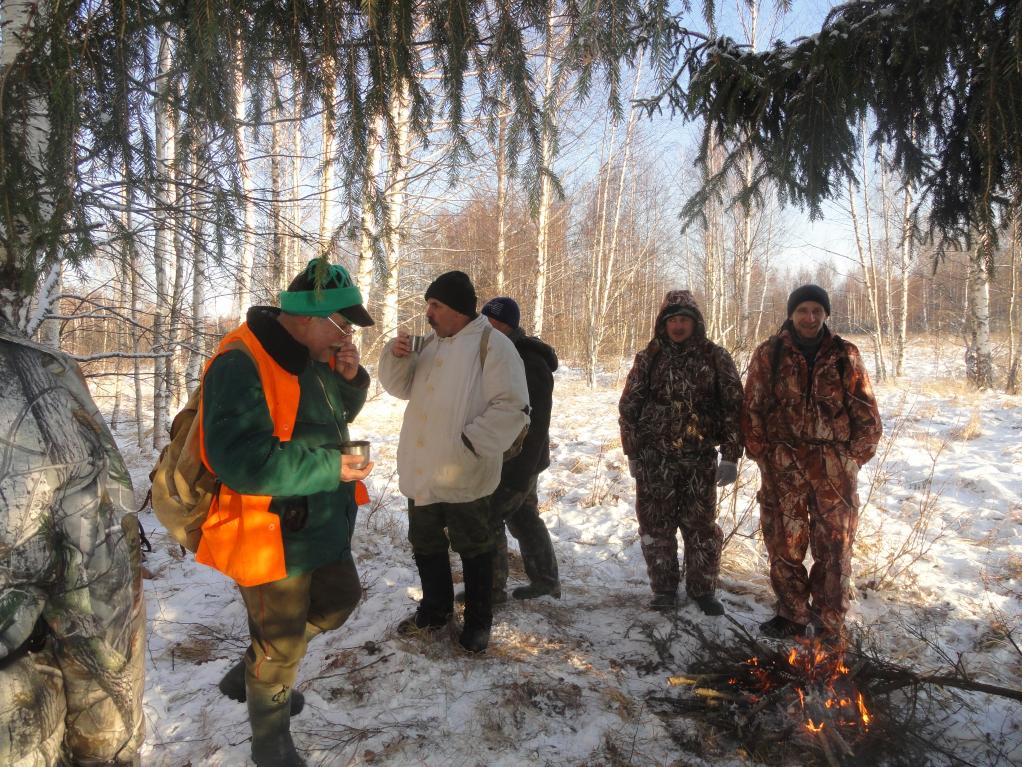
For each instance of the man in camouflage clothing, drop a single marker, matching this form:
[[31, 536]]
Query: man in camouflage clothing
[[71, 610], [681, 400], [810, 421]]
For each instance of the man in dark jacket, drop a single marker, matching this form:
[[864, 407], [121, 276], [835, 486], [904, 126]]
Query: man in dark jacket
[[514, 503], [810, 421], [276, 403], [681, 399]]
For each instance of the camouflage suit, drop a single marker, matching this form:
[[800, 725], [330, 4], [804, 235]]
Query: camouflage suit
[[680, 401], [71, 611], [809, 429]]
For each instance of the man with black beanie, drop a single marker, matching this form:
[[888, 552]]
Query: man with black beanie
[[467, 402], [810, 421]]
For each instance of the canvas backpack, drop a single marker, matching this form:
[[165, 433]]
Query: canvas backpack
[[183, 488]]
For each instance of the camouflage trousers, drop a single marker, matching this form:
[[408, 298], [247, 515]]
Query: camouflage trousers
[[33, 712], [518, 512], [284, 615], [674, 494], [808, 499]]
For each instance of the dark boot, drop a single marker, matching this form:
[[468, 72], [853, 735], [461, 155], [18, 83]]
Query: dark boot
[[534, 590], [269, 713], [437, 603], [664, 601], [498, 598], [780, 627], [709, 605], [233, 686], [478, 572]]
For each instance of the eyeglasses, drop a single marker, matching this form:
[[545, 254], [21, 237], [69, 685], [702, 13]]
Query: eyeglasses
[[346, 330]]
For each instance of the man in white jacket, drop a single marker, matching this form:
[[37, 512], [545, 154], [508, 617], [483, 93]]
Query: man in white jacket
[[467, 402]]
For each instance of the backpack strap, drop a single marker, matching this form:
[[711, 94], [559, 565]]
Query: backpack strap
[[484, 344]]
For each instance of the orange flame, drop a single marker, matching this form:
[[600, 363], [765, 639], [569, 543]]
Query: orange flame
[[813, 727], [863, 711]]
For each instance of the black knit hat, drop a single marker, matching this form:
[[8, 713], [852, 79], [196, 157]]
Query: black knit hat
[[503, 309], [454, 289], [808, 293]]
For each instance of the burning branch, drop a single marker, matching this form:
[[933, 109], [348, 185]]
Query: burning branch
[[831, 701]]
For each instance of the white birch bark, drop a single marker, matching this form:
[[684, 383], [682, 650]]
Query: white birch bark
[[397, 180], [550, 101], [326, 176], [279, 248], [243, 277], [16, 18], [501, 199], [979, 352], [166, 141], [1012, 385], [368, 227]]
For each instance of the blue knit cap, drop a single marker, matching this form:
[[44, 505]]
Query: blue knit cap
[[503, 309]]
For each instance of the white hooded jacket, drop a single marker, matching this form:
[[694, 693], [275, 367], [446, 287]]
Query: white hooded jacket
[[450, 394]]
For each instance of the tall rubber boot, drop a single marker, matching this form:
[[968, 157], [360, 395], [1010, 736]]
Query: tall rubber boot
[[437, 603], [269, 713], [233, 686], [478, 572]]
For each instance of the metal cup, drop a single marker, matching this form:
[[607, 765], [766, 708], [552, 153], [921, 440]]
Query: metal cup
[[416, 342], [357, 447]]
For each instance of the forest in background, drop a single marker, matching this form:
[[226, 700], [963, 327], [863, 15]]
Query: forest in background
[[580, 223]]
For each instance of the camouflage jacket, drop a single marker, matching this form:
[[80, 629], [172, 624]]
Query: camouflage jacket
[[70, 575], [681, 398], [785, 403]]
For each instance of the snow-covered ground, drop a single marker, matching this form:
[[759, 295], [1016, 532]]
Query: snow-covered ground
[[938, 572]]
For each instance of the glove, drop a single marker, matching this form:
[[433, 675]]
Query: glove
[[633, 467], [727, 472]]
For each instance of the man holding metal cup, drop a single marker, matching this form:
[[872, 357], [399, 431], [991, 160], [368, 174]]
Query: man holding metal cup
[[276, 402], [467, 402]]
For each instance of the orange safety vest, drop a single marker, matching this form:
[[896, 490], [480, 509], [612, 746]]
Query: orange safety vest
[[241, 537]]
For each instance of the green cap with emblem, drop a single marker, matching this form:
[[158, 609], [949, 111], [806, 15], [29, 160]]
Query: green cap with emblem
[[336, 293]]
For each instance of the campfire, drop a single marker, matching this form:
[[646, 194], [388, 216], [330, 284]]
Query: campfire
[[811, 702], [809, 695]]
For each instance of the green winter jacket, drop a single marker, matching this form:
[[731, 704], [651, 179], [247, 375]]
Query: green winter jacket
[[317, 510]]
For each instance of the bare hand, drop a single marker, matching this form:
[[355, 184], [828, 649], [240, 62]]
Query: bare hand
[[402, 345], [346, 360], [350, 470]]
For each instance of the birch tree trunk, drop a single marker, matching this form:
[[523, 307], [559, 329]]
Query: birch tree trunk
[[905, 269], [295, 260], [196, 356], [326, 176], [278, 250], [605, 257], [130, 268], [44, 304], [369, 227], [501, 197], [547, 150], [166, 143], [17, 257], [397, 180], [864, 252], [979, 365], [243, 278], [1012, 385]]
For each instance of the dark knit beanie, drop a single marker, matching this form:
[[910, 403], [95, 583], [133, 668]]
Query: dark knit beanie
[[503, 309], [808, 293], [454, 289]]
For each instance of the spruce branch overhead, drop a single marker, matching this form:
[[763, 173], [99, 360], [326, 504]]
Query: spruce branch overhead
[[940, 81], [78, 82]]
